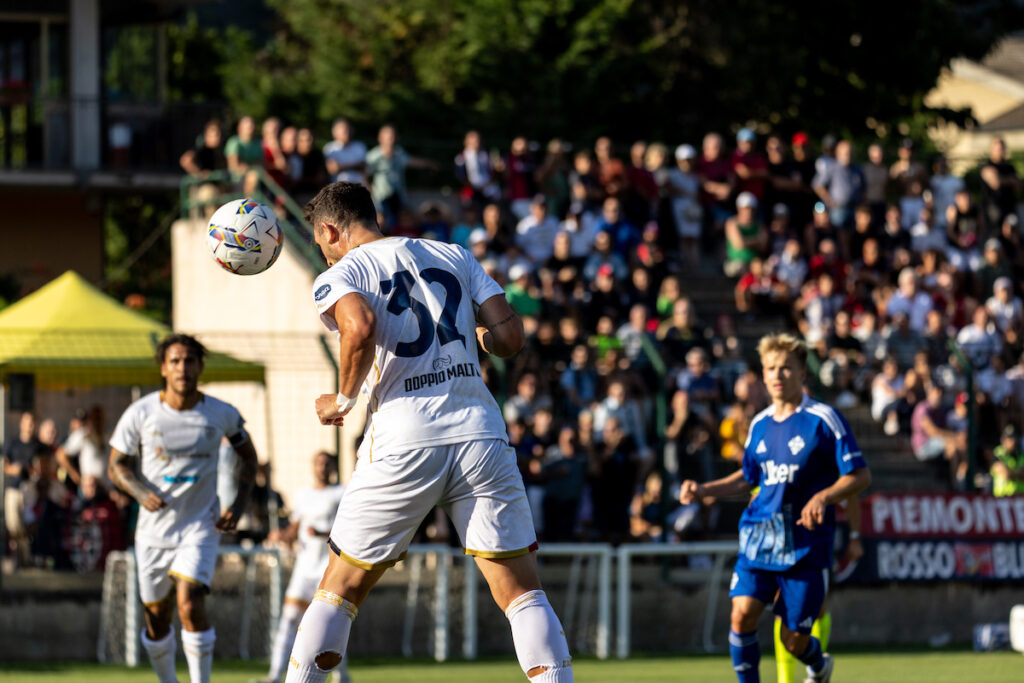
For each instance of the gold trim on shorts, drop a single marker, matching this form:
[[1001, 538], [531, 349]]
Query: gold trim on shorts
[[188, 579], [367, 566], [161, 600], [501, 554]]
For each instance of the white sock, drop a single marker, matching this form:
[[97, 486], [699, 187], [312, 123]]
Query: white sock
[[324, 628], [161, 655], [539, 638], [198, 646], [291, 614]]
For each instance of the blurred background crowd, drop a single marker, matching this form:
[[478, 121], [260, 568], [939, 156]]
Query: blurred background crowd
[[900, 275]]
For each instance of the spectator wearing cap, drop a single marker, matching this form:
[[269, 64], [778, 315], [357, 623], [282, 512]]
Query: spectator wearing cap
[[684, 191], [993, 267], [910, 178], [717, 182], [625, 235], [820, 228], [1008, 464], [805, 166], [944, 186], [535, 233], [999, 186], [749, 166], [1004, 305], [745, 235], [840, 185], [478, 243]]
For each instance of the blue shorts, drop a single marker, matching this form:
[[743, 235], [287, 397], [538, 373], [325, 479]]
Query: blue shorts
[[801, 592]]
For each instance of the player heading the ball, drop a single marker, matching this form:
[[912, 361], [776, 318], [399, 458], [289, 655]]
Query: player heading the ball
[[404, 309], [804, 459]]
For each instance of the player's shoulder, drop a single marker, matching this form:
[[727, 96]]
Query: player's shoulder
[[144, 405], [761, 416], [214, 405], [826, 414]]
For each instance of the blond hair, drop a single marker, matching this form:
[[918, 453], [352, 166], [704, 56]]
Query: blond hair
[[782, 342]]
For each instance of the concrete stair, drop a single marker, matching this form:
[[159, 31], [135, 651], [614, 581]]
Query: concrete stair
[[891, 459]]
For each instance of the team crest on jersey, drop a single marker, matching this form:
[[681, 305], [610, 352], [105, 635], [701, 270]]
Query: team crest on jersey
[[761, 448], [796, 444]]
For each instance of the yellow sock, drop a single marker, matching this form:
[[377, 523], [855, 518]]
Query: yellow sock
[[822, 630], [785, 663]]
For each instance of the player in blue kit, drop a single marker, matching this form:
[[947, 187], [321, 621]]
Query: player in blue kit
[[804, 459]]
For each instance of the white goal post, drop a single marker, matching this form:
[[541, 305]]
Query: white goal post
[[244, 602]]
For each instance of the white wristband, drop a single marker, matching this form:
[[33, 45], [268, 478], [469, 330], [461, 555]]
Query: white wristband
[[344, 402]]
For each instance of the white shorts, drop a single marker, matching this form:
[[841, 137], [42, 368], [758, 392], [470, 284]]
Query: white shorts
[[306, 576], [475, 482], [193, 562]]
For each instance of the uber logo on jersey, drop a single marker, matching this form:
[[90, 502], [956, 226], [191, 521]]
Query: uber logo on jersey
[[322, 293], [796, 444], [778, 473]]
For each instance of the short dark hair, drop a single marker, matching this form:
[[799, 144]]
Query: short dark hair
[[341, 204], [189, 342]]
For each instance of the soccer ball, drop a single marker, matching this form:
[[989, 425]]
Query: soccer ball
[[244, 237]]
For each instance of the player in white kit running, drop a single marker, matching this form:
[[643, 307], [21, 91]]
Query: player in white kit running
[[176, 433], [409, 314], [314, 512]]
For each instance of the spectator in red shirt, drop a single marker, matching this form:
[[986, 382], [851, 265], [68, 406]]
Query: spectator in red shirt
[[749, 165], [758, 291], [274, 161], [642, 189], [610, 171], [519, 183]]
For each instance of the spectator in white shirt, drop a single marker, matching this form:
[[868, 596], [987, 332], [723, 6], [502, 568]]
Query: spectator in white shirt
[[1003, 306], [910, 300], [535, 234], [345, 158]]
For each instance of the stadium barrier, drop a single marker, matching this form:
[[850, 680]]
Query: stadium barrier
[[722, 550]]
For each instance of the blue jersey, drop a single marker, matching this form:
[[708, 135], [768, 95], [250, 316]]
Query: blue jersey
[[791, 461]]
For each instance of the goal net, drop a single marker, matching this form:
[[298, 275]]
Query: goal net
[[244, 605]]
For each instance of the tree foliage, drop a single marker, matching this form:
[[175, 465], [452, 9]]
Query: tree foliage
[[626, 67]]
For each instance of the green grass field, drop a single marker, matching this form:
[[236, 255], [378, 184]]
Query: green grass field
[[897, 667]]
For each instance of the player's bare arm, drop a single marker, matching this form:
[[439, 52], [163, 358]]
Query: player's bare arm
[[121, 470], [357, 326], [500, 330], [847, 485], [245, 475], [732, 485]]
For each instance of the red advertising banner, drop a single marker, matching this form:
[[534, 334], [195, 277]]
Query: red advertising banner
[[963, 516]]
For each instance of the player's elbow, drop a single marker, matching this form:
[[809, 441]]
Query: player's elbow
[[508, 339], [863, 478]]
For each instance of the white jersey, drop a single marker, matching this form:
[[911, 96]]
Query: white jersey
[[178, 450], [315, 510], [425, 387]]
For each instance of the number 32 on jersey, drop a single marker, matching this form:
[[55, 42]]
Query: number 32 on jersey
[[400, 286]]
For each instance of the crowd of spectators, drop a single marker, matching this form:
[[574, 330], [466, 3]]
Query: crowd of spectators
[[878, 265], [60, 509]]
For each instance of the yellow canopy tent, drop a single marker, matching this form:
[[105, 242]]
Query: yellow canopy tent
[[68, 333]]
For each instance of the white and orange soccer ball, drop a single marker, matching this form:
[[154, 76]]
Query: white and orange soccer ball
[[244, 237]]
